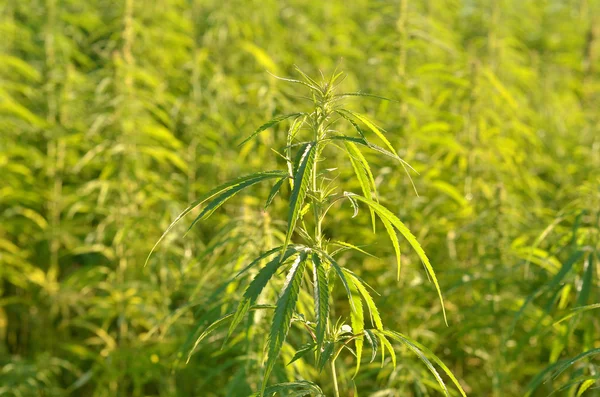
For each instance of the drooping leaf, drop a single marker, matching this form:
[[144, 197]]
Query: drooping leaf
[[338, 269], [371, 126], [354, 206], [229, 186], [349, 246], [394, 239], [325, 354], [259, 259], [258, 284], [384, 213], [364, 142], [437, 360], [321, 296], [284, 310], [385, 344], [222, 198], [214, 325], [425, 355], [274, 192], [374, 312], [372, 340], [379, 132], [269, 124], [302, 351], [363, 175], [357, 321]]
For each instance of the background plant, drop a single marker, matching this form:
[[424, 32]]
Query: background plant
[[114, 114]]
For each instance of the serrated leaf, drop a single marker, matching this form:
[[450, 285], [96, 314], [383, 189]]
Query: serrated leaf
[[372, 127], [231, 185], [372, 340], [379, 132], [338, 269], [385, 343], [258, 284], [222, 198], [419, 349], [357, 321], [315, 88], [283, 313], [325, 355], [363, 174], [321, 297], [308, 79], [301, 181], [374, 312], [394, 239], [215, 324], [364, 142], [258, 260], [302, 351], [384, 213], [352, 247], [274, 191], [270, 124]]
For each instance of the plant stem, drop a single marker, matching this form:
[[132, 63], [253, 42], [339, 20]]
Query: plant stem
[[316, 205], [336, 390]]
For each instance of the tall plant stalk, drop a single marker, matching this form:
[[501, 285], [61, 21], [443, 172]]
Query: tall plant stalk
[[301, 249]]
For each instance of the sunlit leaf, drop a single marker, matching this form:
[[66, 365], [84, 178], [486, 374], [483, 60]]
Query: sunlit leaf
[[284, 310], [270, 124], [301, 181], [386, 214]]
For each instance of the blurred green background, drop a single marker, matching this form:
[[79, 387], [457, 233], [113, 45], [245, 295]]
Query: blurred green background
[[114, 115]]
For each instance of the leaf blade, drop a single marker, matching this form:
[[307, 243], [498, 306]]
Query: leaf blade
[[270, 124], [283, 314], [401, 227], [301, 179]]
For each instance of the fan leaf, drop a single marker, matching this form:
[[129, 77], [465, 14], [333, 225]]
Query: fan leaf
[[270, 124], [321, 296], [258, 284], [363, 175], [283, 313], [386, 214], [301, 181], [220, 190]]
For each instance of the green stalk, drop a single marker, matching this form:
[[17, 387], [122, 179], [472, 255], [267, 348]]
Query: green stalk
[[336, 390]]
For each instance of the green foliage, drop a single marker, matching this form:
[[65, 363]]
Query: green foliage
[[115, 115], [307, 191]]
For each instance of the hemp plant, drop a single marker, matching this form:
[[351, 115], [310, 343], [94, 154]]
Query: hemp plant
[[307, 250]]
